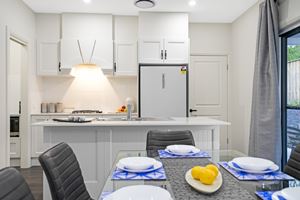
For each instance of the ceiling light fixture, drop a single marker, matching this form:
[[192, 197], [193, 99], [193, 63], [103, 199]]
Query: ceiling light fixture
[[192, 2], [144, 3], [87, 1]]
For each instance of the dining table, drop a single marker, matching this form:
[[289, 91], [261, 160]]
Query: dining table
[[175, 183]]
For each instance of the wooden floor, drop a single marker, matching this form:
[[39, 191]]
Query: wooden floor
[[34, 178]]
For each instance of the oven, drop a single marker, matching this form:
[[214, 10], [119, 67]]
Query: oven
[[14, 126]]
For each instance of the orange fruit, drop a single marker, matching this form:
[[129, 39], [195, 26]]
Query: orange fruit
[[196, 172], [208, 177], [213, 168]]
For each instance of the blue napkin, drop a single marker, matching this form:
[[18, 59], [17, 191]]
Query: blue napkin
[[244, 176], [267, 195], [158, 174], [165, 154]]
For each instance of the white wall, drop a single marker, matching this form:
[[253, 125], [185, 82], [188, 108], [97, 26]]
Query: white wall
[[241, 70], [289, 14], [210, 39], [20, 21]]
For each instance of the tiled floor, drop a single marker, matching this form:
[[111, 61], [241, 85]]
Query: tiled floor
[[34, 178]]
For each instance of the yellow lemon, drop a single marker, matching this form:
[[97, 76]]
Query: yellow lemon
[[196, 172], [208, 177], [214, 168]]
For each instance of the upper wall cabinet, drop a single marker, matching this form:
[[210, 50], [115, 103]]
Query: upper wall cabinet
[[48, 44], [163, 51], [126, 37], [87, 39], [163, 38]]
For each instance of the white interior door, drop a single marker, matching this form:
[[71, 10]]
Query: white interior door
[[209, 90], [151, 51]]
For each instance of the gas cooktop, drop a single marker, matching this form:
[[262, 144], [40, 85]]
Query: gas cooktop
[[86, 111]]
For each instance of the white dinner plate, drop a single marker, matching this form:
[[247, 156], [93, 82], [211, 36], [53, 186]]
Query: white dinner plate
[[156, 165], [140, 192], [182, 150], [207, 189], [273, 168], [275, 195], [252, 163], [137, 163], [292, 193]]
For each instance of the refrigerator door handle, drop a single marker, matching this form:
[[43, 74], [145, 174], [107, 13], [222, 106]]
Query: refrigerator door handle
[[162, 55], [163, 81]]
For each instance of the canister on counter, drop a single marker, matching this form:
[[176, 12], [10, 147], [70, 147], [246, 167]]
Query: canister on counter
[[51, 107], [44, 108], [59, 108]]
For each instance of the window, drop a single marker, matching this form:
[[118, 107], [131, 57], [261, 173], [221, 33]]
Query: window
[[290, 92]]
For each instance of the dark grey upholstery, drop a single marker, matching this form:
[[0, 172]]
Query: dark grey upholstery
[[63, 173], [293, 166], [161, 139], [13, 186]]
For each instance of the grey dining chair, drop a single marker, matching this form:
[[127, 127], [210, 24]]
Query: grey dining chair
[[13, 186], [63, 173], [293, 165], [161, 139]]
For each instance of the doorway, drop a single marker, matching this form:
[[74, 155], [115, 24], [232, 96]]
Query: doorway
[[17, 98], [208, 89]]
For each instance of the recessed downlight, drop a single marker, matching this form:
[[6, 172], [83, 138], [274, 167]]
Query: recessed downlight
[[144, 3], [192, 2], [87, 1]]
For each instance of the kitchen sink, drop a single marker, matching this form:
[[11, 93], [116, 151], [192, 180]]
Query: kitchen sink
[[135, 119]]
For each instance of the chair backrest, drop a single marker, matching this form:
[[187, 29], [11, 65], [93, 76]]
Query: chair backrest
[[293, 166], [161, 139], [13, 185], [63, 173]]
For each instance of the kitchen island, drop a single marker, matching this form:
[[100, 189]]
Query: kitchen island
[[97, 143]]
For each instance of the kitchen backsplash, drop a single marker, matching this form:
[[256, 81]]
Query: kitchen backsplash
[[89, 91]]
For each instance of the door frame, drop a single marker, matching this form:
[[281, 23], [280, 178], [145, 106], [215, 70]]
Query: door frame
[[284, 61], [228, 92], [25, 138]]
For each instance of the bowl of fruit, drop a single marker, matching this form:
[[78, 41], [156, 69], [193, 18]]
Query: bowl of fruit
[[122, 109], [206, 179]]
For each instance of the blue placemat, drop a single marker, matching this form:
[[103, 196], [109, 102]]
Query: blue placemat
[[244, 176], [267, 195], [165, 154], [158, 174], [104, 195]]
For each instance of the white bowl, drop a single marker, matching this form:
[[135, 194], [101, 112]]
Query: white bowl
[[137, 163], [140, 192], [252, 163], [182, 149]]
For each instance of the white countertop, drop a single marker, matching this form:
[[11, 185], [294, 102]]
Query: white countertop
[[190, 121], [80, 114]]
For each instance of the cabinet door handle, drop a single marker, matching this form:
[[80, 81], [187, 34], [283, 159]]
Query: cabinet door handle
[[59, 66], [163, 80], [115, 67], [162, 55], [193, 110], [166, 54], [20, 107]]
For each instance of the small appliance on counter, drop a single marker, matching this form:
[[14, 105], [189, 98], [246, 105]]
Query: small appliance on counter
[[52, 107]]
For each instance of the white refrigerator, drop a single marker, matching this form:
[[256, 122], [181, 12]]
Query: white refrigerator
[[163, 91]]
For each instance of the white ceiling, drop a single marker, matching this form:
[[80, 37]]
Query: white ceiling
[[210, 11]]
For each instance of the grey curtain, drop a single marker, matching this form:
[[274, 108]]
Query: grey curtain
[[265, 130]]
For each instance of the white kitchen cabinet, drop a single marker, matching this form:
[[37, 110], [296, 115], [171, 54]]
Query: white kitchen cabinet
[[125, 45], [48, 57], [176, 51], [151, 51], [126, 61], [15, 147], [37, 136], [167, 51]]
